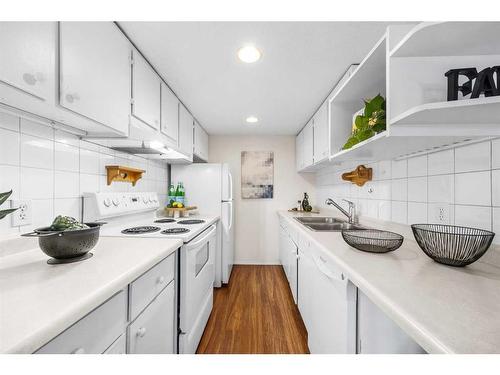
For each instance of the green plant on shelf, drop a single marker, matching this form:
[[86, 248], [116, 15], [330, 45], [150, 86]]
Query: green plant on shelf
[[3, 198], [371, 122]]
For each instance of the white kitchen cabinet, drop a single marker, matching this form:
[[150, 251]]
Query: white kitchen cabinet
[[153, 330], [377, 334], [305, 287], [146, 92], [304, 147], [292, 267], [200, 142], [321, 134], [119, 346], [185, 131], [94, 333], [27, 57], [94, 72], [169, 115], [282, 248]]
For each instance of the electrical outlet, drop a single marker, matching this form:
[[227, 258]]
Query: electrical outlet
[[439, 213], [23, 215]]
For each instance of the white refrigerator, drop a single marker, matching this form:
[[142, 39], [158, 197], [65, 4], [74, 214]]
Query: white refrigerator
[[209, 186]]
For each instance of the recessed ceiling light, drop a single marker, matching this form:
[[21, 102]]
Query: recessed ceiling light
[[249, 54], [252, 119]]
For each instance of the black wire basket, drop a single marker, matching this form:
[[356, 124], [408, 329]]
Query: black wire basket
[[373, 240], [452, 245]]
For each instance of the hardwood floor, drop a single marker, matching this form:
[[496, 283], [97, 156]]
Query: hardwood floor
[[255, 314]]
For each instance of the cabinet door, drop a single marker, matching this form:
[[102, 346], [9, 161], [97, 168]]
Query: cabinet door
[[153, 330], [333, 328], [305, 288], [377, 334], [308, 145], [282, 247], [292, 267], [169, 114], [94, 72], [321, 139], [200, 142], [186, 131], [27, 57], [299, 151], [146, 87]]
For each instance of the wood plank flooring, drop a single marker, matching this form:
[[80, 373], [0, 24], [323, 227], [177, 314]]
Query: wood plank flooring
[[255, 314]]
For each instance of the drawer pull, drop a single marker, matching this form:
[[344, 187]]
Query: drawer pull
[[160, 280], [78, 351], [141, 332]]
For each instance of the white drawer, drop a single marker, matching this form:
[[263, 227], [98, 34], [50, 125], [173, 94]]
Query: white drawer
[[153, 330], [94, 333], [119, 346], [144, 289]]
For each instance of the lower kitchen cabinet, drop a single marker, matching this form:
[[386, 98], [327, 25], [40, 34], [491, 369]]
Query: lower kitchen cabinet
[[153, 330], [377, 334], [112, 328]]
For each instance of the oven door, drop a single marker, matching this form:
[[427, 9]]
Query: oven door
[[197, 271]]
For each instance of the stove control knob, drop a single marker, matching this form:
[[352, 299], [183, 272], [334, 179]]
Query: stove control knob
[[151, 199], [116, 201], [145, 199], [107, 202]]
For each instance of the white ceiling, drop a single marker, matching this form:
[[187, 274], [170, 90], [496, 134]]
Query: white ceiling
[[301, 63]]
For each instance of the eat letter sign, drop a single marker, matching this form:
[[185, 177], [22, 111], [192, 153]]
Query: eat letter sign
[[484, 82]]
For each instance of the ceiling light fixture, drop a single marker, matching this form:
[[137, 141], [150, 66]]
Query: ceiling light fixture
[[252, 119], [249, 54]]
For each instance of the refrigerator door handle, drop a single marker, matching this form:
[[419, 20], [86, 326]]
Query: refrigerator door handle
[[230, 206], [230, 177]]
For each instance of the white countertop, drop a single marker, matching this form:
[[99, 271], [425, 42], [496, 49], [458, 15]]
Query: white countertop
[[38, 301], [444, 309]]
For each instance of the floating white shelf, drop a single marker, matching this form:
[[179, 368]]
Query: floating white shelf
[[468, 114], [450, 39]]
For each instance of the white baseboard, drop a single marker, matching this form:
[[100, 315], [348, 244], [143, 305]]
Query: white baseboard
[[256, 263]]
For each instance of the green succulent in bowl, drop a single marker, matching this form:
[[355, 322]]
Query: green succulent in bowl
[[3, 198]]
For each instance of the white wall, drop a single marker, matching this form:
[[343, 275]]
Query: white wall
[[465, 181], [52, 169], [256, 220]]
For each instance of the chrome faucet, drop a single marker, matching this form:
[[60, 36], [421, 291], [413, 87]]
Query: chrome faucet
[[350, 214]]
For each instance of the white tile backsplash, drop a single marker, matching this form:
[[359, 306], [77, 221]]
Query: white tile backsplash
[[417, 166], [475, 157], [456, 186], [53, 169], [442, 162], [9, 147], [417, 189], [473, 188]]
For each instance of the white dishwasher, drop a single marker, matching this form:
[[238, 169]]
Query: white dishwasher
[[327, 301]]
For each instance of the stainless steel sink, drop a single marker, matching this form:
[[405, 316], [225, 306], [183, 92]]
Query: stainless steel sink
[[326, 224], [318, 220], [332, 227]]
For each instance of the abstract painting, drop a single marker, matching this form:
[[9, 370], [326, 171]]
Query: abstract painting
[[257, 174]]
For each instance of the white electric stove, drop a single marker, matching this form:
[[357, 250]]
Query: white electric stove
[[134, 215]]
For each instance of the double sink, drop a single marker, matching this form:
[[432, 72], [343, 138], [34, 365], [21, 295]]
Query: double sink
[[326, 224]]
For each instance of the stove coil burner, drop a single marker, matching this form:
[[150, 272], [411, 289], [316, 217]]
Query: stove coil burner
[[165, 221], [191, 221], [141, 230], [175, 231]]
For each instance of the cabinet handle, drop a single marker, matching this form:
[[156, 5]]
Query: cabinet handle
[[70, 98], [141, 332], [160, 280], [32, 79], [78, 351]]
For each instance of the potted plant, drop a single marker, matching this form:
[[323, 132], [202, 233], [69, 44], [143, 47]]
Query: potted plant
[[3, 198], [369, 123]]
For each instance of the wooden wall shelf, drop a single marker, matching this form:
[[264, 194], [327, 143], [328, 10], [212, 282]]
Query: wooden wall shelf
[[123, 174]]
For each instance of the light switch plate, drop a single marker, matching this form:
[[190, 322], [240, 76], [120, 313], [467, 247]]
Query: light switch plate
[[23, 215]]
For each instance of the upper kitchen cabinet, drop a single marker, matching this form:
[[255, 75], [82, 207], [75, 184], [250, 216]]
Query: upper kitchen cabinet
[[185, 131], [169, 115], [200, 142], [305, 147], [146, 87], [321, 144], [95, 72], [27, 57]]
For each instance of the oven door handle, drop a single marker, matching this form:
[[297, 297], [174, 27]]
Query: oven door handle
[[193, 245]]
